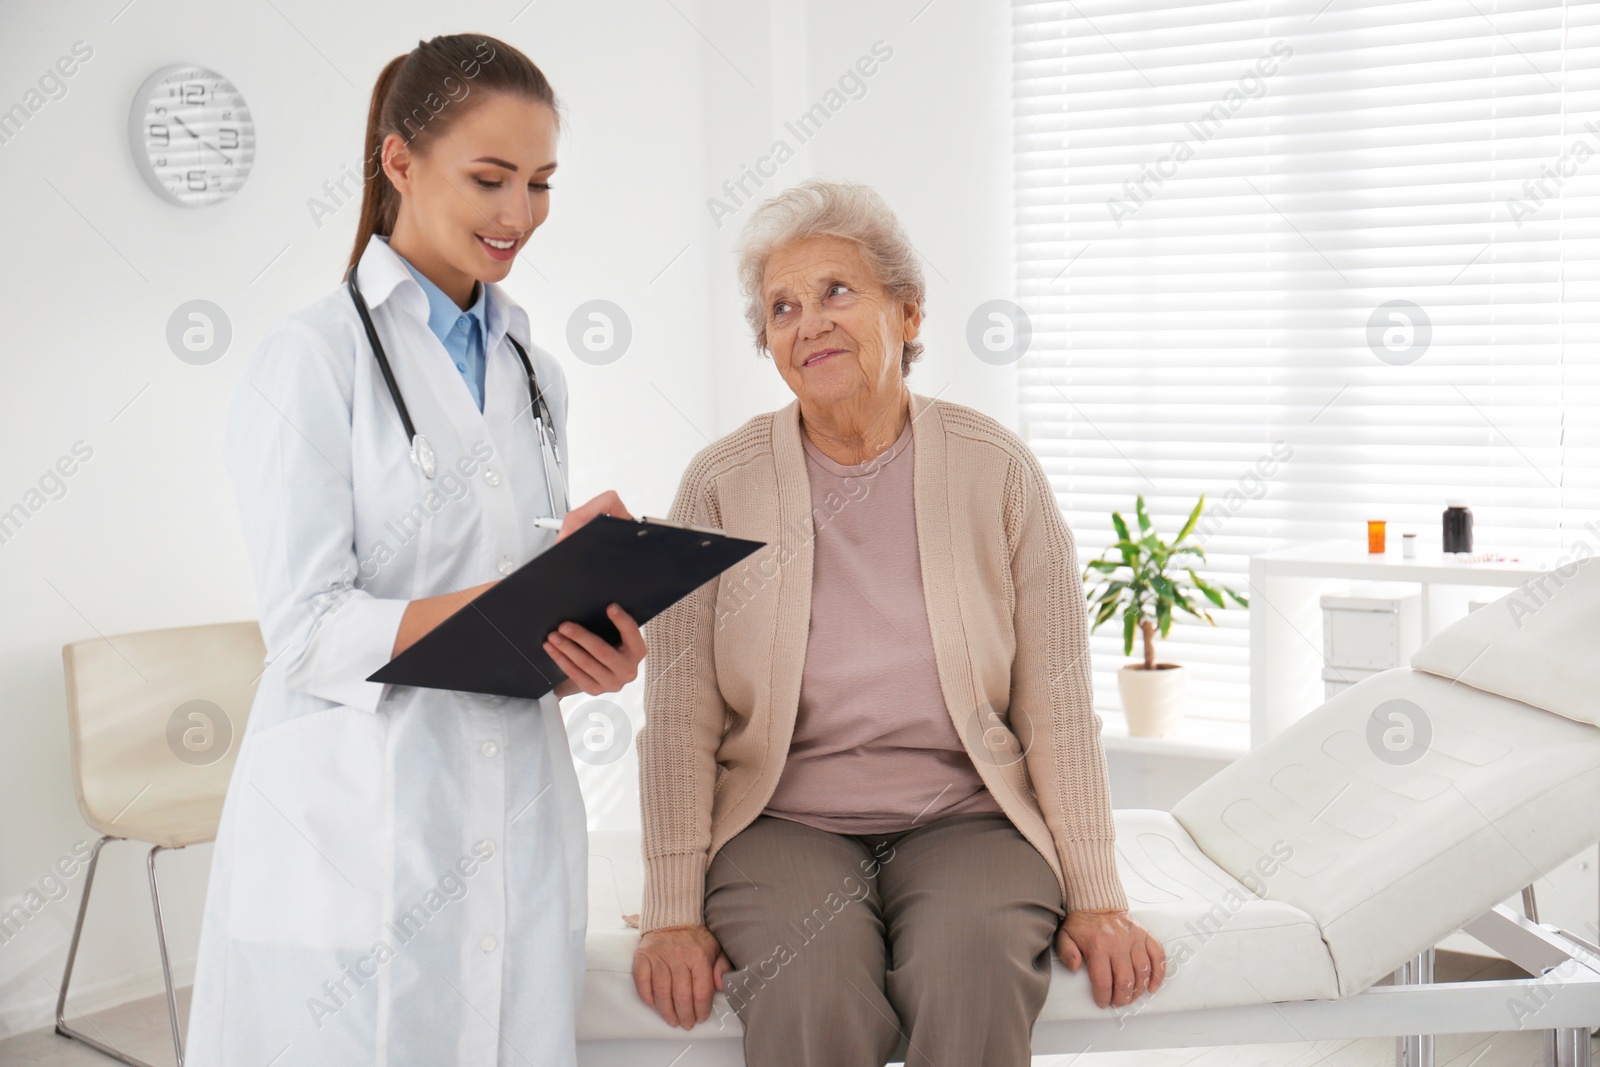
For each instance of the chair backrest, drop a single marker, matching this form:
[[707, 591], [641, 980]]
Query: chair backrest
[[155, 719]]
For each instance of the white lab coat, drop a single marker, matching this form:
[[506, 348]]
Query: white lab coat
[[399, 876]]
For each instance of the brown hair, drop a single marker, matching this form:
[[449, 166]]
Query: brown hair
[[420, 95]]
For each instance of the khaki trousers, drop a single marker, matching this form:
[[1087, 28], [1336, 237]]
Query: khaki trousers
[[844, 943]]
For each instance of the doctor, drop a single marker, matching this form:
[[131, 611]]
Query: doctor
[[399, 874]]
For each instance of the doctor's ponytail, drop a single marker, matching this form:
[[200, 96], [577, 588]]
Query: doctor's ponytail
[[422, 94]]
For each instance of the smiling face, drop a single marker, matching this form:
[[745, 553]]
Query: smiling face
[[483, 180], [834, 332]]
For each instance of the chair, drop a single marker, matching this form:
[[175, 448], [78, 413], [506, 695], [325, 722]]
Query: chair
[[155, 720]]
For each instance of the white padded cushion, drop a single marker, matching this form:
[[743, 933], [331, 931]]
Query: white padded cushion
[[1389, 855], [1536, 644], [1224, 945]]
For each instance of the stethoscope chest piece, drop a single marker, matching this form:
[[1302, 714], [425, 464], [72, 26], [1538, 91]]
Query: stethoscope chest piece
[[421, 451], [422, 455]]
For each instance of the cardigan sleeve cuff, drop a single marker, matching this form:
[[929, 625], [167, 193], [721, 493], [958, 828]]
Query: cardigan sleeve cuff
[[1090, 871], [674, 891]]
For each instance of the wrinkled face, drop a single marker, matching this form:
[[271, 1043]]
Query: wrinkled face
[[485, 180], [834, 332]]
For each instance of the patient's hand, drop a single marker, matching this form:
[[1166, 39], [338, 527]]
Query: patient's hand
[[675, 970], [1124, 961]]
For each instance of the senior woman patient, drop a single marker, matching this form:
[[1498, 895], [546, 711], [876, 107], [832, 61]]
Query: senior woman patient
[[871, 772]]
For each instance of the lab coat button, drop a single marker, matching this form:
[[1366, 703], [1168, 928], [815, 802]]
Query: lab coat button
[[488, 944], [507, 565], [490, 748], [492, 477]]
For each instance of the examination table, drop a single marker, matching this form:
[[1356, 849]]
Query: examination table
[[1335, 854]]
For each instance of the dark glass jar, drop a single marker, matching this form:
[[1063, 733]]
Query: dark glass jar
[[1457, 526]]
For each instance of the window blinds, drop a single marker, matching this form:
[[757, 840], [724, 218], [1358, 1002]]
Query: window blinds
[[1361, 234]]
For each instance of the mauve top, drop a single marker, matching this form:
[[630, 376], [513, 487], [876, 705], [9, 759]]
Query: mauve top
[[874, 747]]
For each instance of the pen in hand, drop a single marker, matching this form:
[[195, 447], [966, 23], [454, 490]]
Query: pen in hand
[[607, 503]]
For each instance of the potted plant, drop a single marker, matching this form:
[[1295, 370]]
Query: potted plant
[[1152, 693]]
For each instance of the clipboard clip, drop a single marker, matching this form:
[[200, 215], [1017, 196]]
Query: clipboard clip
[[683, 526]]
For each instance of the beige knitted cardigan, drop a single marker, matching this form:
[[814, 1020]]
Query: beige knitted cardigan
[[1006, 609]]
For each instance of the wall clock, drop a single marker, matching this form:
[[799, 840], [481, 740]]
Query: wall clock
[[191, 135]]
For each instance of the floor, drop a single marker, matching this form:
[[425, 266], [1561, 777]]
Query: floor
[[141, 1029]]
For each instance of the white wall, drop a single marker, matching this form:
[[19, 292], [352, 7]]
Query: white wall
[[930, 130], [146, 534], [663, 105]]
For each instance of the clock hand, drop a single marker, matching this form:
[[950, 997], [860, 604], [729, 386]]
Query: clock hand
[[202, 140]]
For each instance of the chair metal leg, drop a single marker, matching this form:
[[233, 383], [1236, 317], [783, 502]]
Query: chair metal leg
[[77, 932], [72, 956], [166, 966]]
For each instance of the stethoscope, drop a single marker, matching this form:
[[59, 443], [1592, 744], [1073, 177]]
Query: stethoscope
[[422, 452]]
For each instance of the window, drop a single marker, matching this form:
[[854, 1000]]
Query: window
[[1365, 233]]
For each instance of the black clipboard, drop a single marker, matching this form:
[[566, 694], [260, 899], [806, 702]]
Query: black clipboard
[[495, 643]]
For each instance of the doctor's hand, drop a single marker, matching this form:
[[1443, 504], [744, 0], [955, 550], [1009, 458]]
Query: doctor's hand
[[676, 969], [1124, 960], [607, 503], [592, 664]]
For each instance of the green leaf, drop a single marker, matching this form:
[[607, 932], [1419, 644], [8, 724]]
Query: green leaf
[[1194, 516], [1109, 592], [1187, 605], [1108, 609], [1243, 603], [1164, 616], [1130, 553], [1144, 516], [1120, 526], [1129, 620], [1106, 566], [1211, 594]]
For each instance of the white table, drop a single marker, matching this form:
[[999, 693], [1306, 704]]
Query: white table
[[1286, 586]]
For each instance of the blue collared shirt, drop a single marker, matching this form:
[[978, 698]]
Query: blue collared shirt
[[461, 332]]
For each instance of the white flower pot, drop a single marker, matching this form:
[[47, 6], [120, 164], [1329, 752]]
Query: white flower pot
[[1151, 700]]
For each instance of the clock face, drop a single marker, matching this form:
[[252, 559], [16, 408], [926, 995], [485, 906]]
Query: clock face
[[191, 135]]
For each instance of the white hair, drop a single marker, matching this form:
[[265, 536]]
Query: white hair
[[818, 208]]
